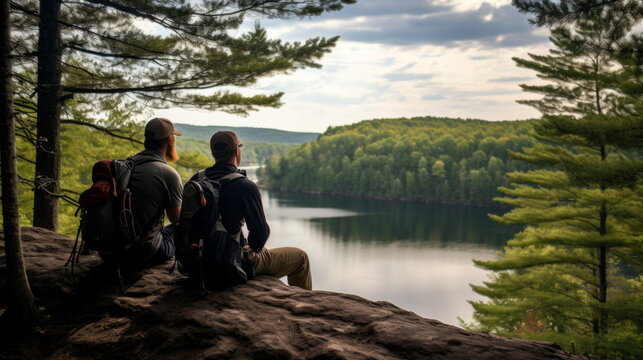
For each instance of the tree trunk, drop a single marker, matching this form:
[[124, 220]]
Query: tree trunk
[[45, 211], [22, 313], [602, 263]]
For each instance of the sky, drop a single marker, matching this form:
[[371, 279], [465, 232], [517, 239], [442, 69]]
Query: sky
[[397, 58]]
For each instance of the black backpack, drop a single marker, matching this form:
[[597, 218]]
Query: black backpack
[[205, 251], [107, 222]]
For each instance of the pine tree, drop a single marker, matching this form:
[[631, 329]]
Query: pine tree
[[22, 313], [582, 207], [95, 53]]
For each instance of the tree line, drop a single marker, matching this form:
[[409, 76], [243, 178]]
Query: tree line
[[429, 158], [254, 153], [247, 134]]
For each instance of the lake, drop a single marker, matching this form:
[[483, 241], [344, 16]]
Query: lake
[[417, 256]]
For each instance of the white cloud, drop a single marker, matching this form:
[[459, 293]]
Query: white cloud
[[466, 75]]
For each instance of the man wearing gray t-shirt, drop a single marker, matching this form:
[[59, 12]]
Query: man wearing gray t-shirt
[[156, 189]]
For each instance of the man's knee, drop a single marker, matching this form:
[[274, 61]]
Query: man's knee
[[304, 258], [297, 257]]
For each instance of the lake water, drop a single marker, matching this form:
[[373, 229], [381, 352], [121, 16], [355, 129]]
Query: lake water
[[417, 256]]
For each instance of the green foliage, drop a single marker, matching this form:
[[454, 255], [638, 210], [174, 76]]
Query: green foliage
[[573, 275], [254, 153], [258, 143], [420, 158], [248, 134], [109, 52], [82, 147]]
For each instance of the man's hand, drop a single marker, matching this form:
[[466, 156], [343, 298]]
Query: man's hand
[[173, 214]]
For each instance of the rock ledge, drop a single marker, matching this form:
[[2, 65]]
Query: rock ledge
[[158, 317]]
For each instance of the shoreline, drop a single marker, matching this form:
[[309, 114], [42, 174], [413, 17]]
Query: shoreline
[[427, 201]]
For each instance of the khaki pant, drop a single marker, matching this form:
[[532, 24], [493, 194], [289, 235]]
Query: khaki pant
[[285, 261]]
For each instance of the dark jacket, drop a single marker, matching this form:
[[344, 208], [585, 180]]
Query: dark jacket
[[240, 199]]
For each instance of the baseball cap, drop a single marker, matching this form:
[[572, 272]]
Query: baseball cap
[[159, 129], [223, 143]]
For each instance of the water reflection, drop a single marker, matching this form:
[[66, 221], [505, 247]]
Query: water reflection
[[415, 255], [383, 221]]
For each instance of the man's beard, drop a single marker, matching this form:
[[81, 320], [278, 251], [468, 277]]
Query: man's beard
[[170, 154]]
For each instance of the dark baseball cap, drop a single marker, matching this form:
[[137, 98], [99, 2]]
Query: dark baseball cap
[[223, 143], [159, 129]]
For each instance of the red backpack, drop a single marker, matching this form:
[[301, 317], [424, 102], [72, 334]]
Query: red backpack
[[107, 222]]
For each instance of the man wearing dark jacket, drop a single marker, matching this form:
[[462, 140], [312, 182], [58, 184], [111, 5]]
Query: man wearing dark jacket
[[240, 200]]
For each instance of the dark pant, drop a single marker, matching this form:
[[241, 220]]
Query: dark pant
[[166, 248]]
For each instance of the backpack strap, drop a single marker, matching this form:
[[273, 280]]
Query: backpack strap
[[145, 230], [224, 180], [229, 177], [144, 160], [135, 163]]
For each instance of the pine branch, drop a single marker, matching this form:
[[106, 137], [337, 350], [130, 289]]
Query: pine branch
[[163, 22], [551, 13], [173, 86], [91, 74], [110, 131], [122, 56], [87, 30], [242, 10]]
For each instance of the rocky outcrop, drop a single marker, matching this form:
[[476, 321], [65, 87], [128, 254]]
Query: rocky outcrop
[[158, 316]]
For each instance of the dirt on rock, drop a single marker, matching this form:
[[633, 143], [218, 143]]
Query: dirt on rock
[[157, 316]]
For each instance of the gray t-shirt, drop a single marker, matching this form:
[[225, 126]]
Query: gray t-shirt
[[155, 186]]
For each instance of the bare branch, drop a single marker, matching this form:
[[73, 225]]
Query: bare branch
[[65, 197], [26, 159]]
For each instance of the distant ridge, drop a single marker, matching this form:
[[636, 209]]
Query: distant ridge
[[248, 134]]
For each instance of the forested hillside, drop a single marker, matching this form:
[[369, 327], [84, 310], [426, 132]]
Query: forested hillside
[[433, 159], [258, 143], [254, 153], [248, 134]]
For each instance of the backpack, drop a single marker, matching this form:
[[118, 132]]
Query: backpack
[[107, 222], [205, 251]]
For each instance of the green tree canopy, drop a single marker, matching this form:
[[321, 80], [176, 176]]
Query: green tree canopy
[[562, 278], [429, 159]]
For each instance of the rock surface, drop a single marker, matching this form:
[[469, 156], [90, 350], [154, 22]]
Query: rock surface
[[158, 317]]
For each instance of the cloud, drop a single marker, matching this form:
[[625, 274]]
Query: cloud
[[513, 79], [416, 22], [480, 57], [507, 29], [401, 76], [405, 58], [433, 97], [371, 8]]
